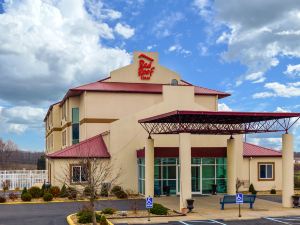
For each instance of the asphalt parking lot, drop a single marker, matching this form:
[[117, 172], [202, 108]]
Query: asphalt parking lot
[[263, 221]]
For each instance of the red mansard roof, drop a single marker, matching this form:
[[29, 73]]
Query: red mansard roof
[[251, 150], [93, 147]]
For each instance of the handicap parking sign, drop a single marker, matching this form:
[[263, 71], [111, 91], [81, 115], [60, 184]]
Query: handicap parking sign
[[149, 202], [239, 198]]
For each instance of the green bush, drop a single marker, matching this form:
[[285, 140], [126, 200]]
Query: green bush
[[104, 190], [72, 193], [24, 191], [12, 196], [273, 191], [252, 189], [87, 191], [55, 191], [85, 216], [108, 211], [63, 192], [103, 220], [2, 199], [116, 189], [121, 194], [26, 197], [48, 197], [159, 209], [35, 192]]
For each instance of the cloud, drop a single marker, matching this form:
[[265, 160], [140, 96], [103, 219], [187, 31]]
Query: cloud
[[223, 107], [256, 77], [293, 70], [124, 30], [97, 11], [269, 142], [163, 28], [150, 47], [20, 118], [49, 46], [280, 90], [179, 49], [258, 33]]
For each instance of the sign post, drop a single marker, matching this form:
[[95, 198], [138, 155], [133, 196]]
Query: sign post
[[239, 199], [149, 205]]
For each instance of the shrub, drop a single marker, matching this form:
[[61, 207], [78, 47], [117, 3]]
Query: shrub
[[55, 191], [104, 190], [273, 191], [159, 209], [108, 211], [87, 191], [48, 197], [63, 192], [252, 189], [26, 197], [72, 193], [24, 190], [35, 192], [17, 189], [85, 216], [2, 199], [116, 189], [12, 196], [121, 194], [103, 220]]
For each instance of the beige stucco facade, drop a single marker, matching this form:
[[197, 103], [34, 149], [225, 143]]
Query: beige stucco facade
[[116, 115]]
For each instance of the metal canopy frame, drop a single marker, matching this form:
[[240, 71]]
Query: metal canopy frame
[[219, 123]]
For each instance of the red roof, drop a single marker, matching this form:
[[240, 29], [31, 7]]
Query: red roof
[[251, 150], [90, 148]]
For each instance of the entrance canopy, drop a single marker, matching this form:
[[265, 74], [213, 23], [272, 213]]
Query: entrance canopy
[[219, 123]]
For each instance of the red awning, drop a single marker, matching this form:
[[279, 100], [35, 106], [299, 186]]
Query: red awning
[[212, 122], [90, 148]]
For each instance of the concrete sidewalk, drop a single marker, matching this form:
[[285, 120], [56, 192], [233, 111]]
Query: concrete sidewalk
[[208, 207]]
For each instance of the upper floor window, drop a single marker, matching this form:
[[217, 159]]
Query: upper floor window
[[64, 138], [75, 125], [64, 110], [266, 171]]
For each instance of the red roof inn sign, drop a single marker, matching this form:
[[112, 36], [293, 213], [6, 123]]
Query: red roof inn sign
[[145, 67]]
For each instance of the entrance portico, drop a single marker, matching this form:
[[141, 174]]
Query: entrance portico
[[186, 123]]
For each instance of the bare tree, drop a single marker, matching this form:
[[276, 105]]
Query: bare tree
[[92, 173], [6, 150]]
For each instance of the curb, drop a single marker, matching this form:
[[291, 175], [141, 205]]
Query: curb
[[70, 221]]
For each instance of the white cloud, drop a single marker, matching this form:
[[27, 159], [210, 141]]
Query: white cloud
[[97, 10], [258, 33], [124, 30], [256, 77], [223, 107], [293, 70], [281, 109], [179, 49], [163, 28], [150, 47], [269, 142], [49, 46], [280, 90], [20, 118]]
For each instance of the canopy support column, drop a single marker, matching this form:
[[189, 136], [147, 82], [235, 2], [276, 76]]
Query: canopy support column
[[149, 167], [232, 152], [287, 170], [185, 168]]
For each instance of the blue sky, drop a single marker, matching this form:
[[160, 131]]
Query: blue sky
[[248, 48]]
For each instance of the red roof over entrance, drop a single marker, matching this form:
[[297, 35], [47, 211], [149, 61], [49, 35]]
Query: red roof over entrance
[[90, 148]]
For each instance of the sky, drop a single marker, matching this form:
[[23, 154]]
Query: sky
[[250, 49]]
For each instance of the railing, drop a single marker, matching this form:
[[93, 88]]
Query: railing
[[22, 178]]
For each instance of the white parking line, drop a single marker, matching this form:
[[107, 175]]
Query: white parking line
[[278, 221], [183, 222], [215, 221], [201, 221]]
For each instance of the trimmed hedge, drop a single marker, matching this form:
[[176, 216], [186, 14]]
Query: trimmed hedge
[[85, 216], [35, 192], [63, 192], [48, 197], [119, 192], [26, 197], [12, 196], [2, 199], [159, 209], [55, 191], [108, 211]]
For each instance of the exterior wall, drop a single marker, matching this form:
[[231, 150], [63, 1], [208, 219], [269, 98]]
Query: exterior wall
[[250, 173]]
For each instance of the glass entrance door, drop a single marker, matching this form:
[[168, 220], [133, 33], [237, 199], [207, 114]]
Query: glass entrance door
[[196, 180]]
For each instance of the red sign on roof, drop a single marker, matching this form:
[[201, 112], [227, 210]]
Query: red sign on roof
[[146, 69]]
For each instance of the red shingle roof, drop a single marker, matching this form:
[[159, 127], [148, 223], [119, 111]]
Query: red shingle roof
[[90, 148], [251, 150]]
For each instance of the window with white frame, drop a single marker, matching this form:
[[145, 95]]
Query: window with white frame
[[266, 171], [79, 173]]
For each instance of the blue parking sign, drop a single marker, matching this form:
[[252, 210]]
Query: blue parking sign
[[149, 202], [239, 198]]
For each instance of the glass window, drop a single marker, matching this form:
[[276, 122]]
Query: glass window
[[75, 115], [221, 185], [75, 125], [79, 173], [208, 160], [221, 171], [196, 160], [266, 171], [221, 161], [208, 171], [169, 172], [207, 185]]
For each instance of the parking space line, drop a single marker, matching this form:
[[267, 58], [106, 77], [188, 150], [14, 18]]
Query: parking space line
[[278, 221], [201, 221], [215, 221], [183, 222]]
